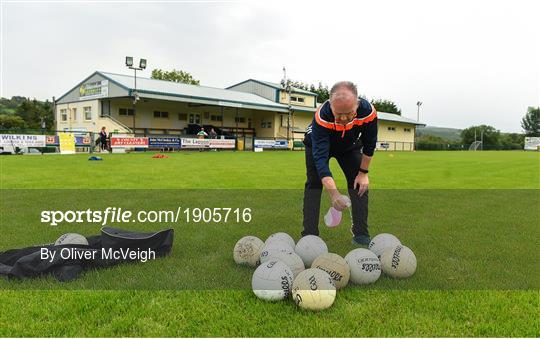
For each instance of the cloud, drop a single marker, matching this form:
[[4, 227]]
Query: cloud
[[469, 61]]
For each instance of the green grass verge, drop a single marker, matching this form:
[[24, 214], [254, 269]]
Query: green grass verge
[[356, 313], [268, 170]]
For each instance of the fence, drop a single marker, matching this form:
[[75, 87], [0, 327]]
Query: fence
[[30, 141], [422, 146], [87, 142], [35, 141]]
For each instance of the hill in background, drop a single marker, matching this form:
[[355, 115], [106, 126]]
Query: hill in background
[[450, 134]]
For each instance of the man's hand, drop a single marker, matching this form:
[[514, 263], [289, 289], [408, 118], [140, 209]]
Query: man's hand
[[341, 202], [361, 183]]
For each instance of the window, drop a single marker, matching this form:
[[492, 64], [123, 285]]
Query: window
[[195, 119], [161, 114], [63, 114], [408, 130], [391, 128], [239, 120], [266, 124], [216, 118], [126, 111], [297, 99], [182, 116], [206, 115], [87, 113], [74, 110]]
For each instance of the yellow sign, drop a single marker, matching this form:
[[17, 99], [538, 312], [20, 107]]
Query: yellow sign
[[67, 143], [96, 89]]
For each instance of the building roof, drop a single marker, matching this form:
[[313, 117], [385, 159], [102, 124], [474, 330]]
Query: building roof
[[276, 86], [209, 95], [216, 96], [397, 118]]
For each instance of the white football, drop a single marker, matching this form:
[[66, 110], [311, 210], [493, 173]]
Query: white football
[[71, 239], [381, 242], [314, 290], [272, 281], [335, 266], [290, 259], [398, 262], [247, 251], [309, 248], [365, 266], [274, 247], [281, 236]]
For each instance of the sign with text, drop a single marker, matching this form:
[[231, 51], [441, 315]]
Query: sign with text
[[532, 143], [81, 141], [122, 142], [207, 143], [194, 143], [164, 142], [222, 143], [22, 140], [67, 143], [96, 89], [266, 143]]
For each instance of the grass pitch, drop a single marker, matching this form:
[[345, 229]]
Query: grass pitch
[[471, 218]]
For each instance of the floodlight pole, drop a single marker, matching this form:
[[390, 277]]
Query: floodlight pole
[[289, 115], [134, 99], [134, 92], [418, 104], [288, 90]]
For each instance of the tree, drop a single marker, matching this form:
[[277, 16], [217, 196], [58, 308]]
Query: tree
[[531, 122], [491, 135], [386, 106], [8, 106], [33, 111], [175, 76], [512, 140], [322, 91], [21, 112], [11, 121]]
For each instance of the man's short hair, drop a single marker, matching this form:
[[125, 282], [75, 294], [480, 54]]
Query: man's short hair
[[344, 85]]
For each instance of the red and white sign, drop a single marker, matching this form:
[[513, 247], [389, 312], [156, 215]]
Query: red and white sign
[[139, 142], [222, 143]]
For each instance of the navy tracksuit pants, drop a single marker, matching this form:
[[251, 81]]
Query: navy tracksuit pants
[[350, 164]]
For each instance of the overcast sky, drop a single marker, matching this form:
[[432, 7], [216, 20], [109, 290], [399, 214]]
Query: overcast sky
[[469, 62]]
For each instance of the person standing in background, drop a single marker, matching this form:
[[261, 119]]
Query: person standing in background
[[103, 139], [201, 136]]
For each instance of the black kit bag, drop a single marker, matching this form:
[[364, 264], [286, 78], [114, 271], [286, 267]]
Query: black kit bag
[[27, 262]]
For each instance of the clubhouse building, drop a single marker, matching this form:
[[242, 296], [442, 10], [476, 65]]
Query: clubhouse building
[[250, 109]]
